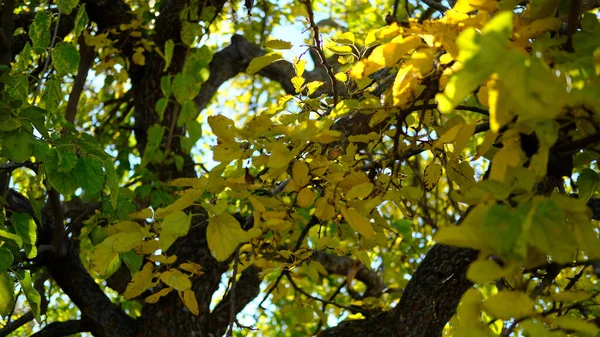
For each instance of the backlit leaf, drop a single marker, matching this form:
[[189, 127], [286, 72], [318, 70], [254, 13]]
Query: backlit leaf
[[262, 61]]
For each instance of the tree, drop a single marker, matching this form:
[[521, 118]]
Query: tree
[[434, 174]]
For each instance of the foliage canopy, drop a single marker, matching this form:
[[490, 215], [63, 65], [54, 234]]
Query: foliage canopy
[[432, 172]]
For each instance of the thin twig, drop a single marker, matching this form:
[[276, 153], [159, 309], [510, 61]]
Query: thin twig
[[324, 301], [236, 262], [319, 48]]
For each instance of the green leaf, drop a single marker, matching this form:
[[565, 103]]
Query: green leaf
[[7, 121], [39, 31], [67, 6], [262, 61], [7, 294], [189, 32], [52, 95], [194, 130], [549, 232], [81, 20], [64, 182], [62, 160], [587, 183], [188, 113], [25, 227], [169, 46], [11, 237], [132, 260], [6, 259], [161, 106], [16, 145], [37, 116], [89, 173], [165, 86], [33, 296], [65, 58], [185, 88], [112, 181], [173, 226], [197, 64]]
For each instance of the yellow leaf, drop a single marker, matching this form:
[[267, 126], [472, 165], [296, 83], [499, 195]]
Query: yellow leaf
[[140, 281], [344, 38], [193, 268], [124, 242], [157, 295], [323, 209], [297, 81], [536, 27], [173, 226], [504, 159], [224, 234], [278, 44], [313, 86], [463, 137], [386, 55], [326, 137], [341, 76], [360, 191], [431, 176], [147, 247], [466, 6], [176, 279], [300, 65], [574, 324], [467, 234], [341, 50], [449, 136], [422, 61], [138, 57], [509, 304], [305, 197], [186, 199], [469, 309], [188, 182], [570, 296], [189, 299], [223, 127], [300, 174], [485, 270], [262, 61], [358, 222], [145, 213], [404, 85], [103, 255], [163, 259], [280, 156]]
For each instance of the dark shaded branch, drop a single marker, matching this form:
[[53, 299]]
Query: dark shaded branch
[[6, 31], [236, 57], [106, 318], [341, 265], [85, 63], [14, 325], [66, 328]]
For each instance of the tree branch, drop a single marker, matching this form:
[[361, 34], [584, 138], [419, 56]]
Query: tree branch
[[67, 328]]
